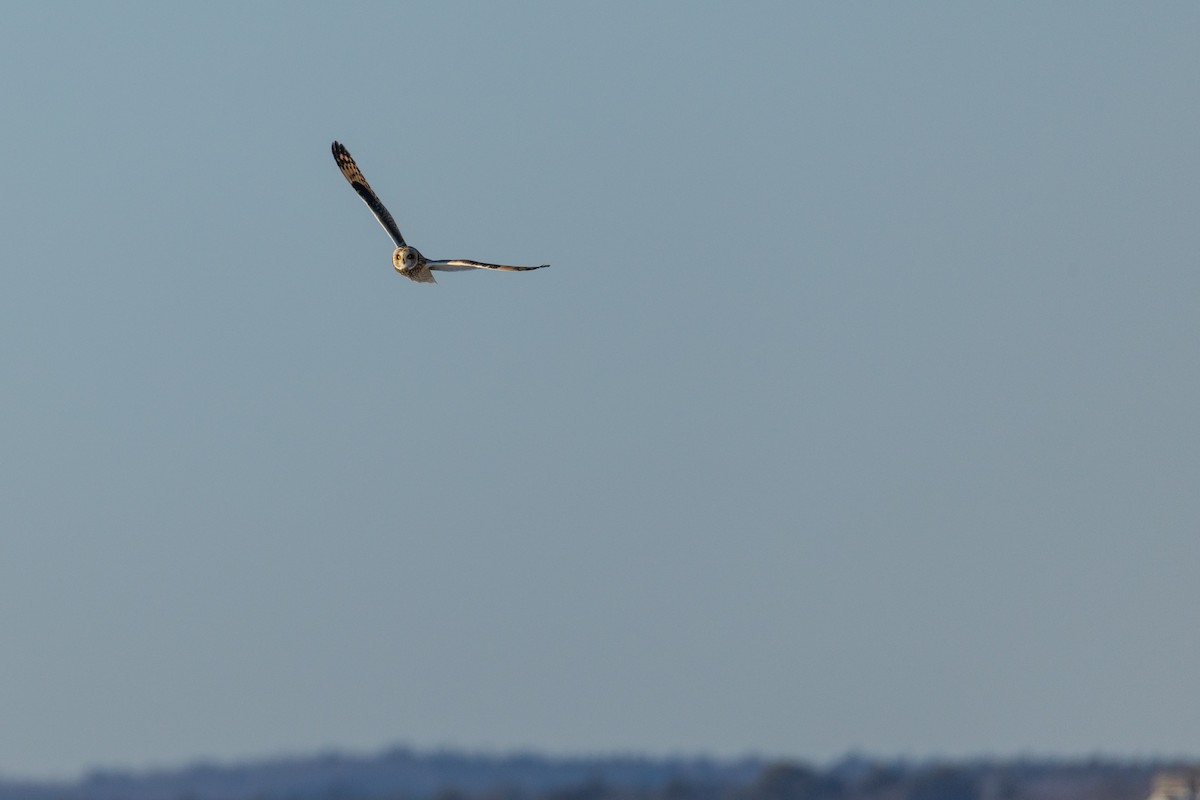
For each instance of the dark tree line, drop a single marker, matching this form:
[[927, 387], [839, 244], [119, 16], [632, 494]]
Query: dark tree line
[[402, 776]]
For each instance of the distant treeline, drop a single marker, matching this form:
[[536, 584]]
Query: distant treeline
[[402, 774], [865, 780]]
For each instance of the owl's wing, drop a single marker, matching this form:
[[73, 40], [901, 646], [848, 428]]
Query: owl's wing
[[459, 264], [353, 174]]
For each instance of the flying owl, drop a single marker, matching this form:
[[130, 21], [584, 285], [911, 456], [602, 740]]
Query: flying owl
[[406, 259]]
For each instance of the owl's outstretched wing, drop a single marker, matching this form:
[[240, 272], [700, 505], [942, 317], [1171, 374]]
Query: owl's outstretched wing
[[353, 174], [459, 264]]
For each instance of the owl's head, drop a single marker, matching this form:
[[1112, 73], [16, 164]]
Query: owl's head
[[405, 259]]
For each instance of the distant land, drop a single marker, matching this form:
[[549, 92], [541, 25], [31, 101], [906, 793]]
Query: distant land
[[404, 774]]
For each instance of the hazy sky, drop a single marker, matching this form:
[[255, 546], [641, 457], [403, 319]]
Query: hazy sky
[[859, 408]]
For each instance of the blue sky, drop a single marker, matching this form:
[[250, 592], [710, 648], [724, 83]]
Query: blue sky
[[858, 409]]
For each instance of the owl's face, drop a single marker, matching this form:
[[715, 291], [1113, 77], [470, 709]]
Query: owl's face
[[405, 259]]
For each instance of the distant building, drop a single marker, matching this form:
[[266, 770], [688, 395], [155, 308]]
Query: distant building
[[1176, 786]]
